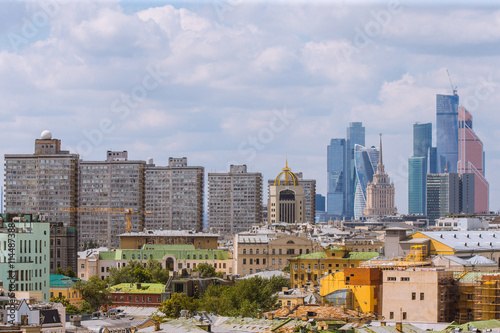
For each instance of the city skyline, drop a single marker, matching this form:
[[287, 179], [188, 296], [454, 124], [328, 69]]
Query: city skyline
[[235, 83]]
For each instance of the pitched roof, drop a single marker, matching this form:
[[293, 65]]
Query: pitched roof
[[61, 281], [467, 240], [146, 288]]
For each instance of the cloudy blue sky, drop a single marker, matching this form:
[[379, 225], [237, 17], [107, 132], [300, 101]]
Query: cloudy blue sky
[[245, 82]]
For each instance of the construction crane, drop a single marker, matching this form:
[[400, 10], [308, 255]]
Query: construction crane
[[453, 87], [127, 211]]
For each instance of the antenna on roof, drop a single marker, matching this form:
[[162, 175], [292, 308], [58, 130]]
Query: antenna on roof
[[453, 87]]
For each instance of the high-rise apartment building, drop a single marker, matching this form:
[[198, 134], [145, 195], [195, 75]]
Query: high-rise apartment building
[[471, 160], [286, 202], [234, 200], [174, 195], [449, 193], [417, 168], [365, 162], [42, 182], [380, 192], [447, 132], [336, 177], [355, 136], [113, 183]]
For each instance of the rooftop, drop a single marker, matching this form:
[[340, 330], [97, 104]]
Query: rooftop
[[466, 241], [145, 288]]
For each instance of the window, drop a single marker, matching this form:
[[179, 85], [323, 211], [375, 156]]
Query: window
[[83, 266], [391, 278], [251, 251], [405, 278], [391, 315], [274, 251], [301, 266], [244, 251], [279, 262], [257, 251], [294, 266], [256, 261], [413, 296], [404, 315], [189, 256], [102, 269], [251, 261], [273, 261], [264, 261], [290, 251], [421, 296], [280, 252], [244, 261]]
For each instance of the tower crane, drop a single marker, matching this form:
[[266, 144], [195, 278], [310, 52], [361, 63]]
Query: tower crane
[[453, 87], [105, 210]]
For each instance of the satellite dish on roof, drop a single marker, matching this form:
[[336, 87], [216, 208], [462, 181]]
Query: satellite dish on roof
[[46, 135]]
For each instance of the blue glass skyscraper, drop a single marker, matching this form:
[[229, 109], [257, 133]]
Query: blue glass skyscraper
[[355, 136], [417, 168], [447, 132], [336, 173]]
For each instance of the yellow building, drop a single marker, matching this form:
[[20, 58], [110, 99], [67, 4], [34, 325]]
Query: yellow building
[[353, 288], [62, 286], [308, 268]]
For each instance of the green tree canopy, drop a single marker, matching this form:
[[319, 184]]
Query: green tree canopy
[[135, 272], [94, 292], [177, 302]]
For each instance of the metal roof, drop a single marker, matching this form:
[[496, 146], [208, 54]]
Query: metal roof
[[466, 241]]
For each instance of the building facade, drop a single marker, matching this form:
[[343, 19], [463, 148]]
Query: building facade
[[286, 201], [254, 253], [28, 262], [355, 136], [234, 200], [63, 247], [447, 132], [418, 167], [174, 195], [380, 193], [365, 165], [471, 160], [113, 183], [42, 182], [200, 240], [336, 177]]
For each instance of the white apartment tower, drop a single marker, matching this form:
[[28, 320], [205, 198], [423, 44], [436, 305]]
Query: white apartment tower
[[234, 200]]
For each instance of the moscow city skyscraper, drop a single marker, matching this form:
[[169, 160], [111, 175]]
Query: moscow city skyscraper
[[447, 132], [336, 171], [355, 136], [471, 160], [417, 168]]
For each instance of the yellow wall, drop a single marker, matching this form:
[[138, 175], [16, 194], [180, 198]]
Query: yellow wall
[[436, 247], [364, 296], [70, 294]]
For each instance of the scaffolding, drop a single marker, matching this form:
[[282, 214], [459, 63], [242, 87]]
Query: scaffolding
[[487, 298]]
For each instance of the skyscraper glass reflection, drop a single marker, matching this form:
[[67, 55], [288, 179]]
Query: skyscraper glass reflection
[[447, 132], [336, 196], [365, 162]]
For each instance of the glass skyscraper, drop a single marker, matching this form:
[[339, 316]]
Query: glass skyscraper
[[447, 132], [355, 136], [336, 173], [365, 161], [417, 168]]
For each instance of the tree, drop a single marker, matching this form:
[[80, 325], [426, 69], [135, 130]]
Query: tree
[[70, 272], [135, 272], [206, 270], [94, 292], [59, 271], [70, 308], [177, 302], [158, 273]]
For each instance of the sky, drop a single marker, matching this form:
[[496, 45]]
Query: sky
[[245, 82]]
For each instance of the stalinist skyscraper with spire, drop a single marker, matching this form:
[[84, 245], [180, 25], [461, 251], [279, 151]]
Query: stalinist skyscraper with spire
[[380, 192]]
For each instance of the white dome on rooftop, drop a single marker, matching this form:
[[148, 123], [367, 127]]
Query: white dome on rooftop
[[46, 135]]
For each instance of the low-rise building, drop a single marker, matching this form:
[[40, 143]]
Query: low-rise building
[[62, 286], [354, 289], [254, 253], [307, 269], [418, 295], [172, 257], [137, 294]]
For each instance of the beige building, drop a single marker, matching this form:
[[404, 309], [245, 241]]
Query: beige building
[[200, 240], [425, 296], [254, 253], [286, 199], [380, 192]]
